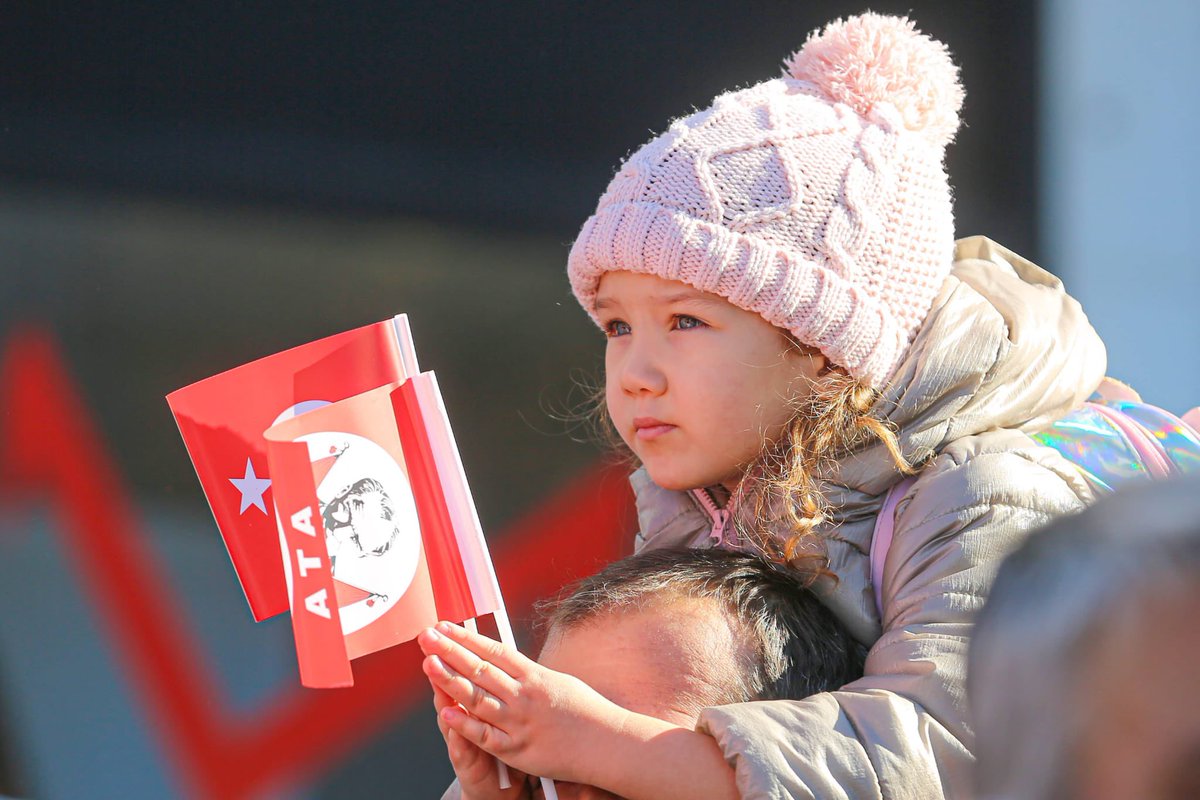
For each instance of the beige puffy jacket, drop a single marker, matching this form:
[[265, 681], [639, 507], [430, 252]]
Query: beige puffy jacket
[[1003, 352]]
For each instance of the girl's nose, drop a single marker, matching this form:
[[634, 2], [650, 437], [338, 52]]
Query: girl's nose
[[641, 369]]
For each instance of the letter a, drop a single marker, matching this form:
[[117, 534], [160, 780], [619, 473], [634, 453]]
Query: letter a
[[317, 604], [302, 521]]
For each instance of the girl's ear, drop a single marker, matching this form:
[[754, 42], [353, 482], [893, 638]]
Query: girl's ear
[[820, 365]]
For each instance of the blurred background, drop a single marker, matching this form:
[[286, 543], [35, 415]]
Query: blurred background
[[186, 187]]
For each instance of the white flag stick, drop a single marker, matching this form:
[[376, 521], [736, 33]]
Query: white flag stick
[[501, 767], [481, 585], [467, 527], [506, 635], [404, 343]]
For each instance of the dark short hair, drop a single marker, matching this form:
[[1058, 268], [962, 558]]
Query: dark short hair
[[796, 646]]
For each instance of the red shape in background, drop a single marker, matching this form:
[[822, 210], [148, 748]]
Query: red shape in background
[[52, 445]]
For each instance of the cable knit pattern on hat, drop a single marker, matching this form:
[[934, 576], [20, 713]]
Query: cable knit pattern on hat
[[817, 199]]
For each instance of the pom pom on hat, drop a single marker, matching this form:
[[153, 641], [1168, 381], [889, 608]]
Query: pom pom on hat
[[871, 59]]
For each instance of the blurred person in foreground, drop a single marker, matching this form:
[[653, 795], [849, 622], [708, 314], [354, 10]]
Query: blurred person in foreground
[[667, 633], [1084, 674]]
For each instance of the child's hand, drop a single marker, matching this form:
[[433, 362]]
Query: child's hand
[[476, 770], [540, 721]]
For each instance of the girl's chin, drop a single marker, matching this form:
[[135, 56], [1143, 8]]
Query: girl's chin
[[676, 480], [674, 485]]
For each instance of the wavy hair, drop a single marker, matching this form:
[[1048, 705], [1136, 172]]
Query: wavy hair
[[778, 506]]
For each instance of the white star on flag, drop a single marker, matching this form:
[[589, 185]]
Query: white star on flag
[[252, 487]]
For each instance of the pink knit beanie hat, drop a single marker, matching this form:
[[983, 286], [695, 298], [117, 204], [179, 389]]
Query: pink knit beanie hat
[[817, 200]]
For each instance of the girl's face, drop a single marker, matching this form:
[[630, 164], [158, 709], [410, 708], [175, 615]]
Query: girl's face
[[695, 385]]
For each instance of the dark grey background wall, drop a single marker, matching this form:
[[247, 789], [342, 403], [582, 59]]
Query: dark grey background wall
[[485, 113]]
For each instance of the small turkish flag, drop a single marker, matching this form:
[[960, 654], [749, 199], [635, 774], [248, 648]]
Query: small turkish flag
[[222, 420]]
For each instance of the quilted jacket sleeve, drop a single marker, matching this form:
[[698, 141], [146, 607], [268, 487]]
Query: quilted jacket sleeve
[[902, 731]]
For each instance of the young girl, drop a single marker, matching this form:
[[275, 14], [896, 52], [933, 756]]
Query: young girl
[[792, 330]]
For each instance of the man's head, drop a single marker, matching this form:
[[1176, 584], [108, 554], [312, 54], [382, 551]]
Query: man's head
[[787, 644], [1083, 679], [670, 632]]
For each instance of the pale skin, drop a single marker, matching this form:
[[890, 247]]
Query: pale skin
[[720, 380], [667, 660], [549, 723], [476, 770]]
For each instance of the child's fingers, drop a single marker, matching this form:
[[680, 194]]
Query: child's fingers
[[481, 671], [466, 756], [503, 656], [475, 767], [471, 696], [477, 732], [441, 700]]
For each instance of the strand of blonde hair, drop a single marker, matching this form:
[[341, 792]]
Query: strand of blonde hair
[[779, 508]]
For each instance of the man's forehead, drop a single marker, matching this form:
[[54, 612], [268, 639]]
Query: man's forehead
[[669, 657]]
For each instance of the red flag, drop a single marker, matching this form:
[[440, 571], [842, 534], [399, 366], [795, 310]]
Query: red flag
[[380, 559], [222, 420]]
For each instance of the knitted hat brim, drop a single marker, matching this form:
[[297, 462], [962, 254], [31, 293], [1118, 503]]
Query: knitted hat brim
[[806, 298]]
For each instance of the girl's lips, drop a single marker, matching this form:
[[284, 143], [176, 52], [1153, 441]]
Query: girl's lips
[[653, 431]]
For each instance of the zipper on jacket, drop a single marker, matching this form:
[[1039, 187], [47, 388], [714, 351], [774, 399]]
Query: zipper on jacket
[[720, 516]]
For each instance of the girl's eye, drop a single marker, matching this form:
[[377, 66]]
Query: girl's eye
[[685, 322], [616, 328]]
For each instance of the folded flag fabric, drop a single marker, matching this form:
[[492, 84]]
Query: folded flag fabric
[[222, 420]]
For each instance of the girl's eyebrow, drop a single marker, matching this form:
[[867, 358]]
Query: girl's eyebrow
[[665, 299], [687, 296]]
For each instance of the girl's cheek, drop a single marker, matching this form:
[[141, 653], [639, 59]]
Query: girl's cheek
[[615, 415]]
